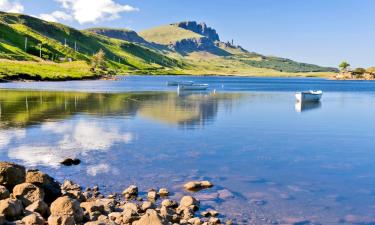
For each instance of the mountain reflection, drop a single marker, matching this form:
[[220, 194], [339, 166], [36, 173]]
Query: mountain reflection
[[24, 108]]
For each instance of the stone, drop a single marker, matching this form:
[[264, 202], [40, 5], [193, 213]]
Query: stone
[[213, 213], [197, 185], [214, 220], [131, 192], [131, 206], [152, 195], [151, 217], [73, 190], [188, 201], [195, 221], [225, 194], [66, 206], [4, 193], [129, 216], [61, 220], [48, 184], [39, 207], [169, 203], [114, 216], [33, 219], [147, 205], [11, 208], [28, 193], [92, 206], [11, 174], [70, 162], [163, 192]]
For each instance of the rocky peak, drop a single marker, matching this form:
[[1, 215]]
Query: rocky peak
[[200, 28]]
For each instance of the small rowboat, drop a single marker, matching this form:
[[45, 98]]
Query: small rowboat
[[177, 83], [309, 96], [193, 87]]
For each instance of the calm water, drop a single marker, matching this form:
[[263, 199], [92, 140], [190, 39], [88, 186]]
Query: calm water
[[272, 161]]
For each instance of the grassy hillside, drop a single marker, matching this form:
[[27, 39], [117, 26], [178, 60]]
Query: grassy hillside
[[31, 48], [167, 34]]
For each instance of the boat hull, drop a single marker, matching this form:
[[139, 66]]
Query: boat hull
[[308, 97], [177, 83]]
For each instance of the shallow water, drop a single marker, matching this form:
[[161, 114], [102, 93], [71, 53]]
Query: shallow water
[[272, 161]]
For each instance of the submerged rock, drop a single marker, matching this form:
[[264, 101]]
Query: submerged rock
[[70, 162], [197, 185]]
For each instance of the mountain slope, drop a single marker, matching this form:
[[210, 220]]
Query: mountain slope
[[56, 51]]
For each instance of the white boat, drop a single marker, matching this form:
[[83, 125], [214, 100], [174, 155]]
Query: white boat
[[177, 83], [193, 87], [309, 96]]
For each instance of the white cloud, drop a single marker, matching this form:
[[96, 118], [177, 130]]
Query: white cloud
[[55, 16], [88, 11], [6, 136], [11, 6]]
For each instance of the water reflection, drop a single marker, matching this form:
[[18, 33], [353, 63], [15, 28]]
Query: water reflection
[[307, 106], [24, 108]]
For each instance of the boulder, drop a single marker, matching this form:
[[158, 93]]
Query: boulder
[[92, 206], [130, 192], [11, 174], [61, 220], [70, 162], [28, 193], [11, 208], [48, 184], [33, 219], [66, 206], [188, 201], [129, 216], [4, 193], [147, 205], [197, 185], [152, 195], [163, 192], [169, 203], [151, 217], [39, 207], [73, 190]]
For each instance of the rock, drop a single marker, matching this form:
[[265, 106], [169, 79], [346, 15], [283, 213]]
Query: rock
[[131, 206], [213, 213], [195, 221], [163, 192], [214, 220], [4, 193], [39, 207], [28, 193], [114, 216], [92, 206], [61, 220], [131, 192], [70, 162], [48, 184], [169, 203], [33, 219], [11, 208], [66, 206], [152, 195], [108, 204], [2, 219], [147, 205], [188, 201], [73, 190], [151, 217], [225, 194], [129, 216], [197, 185], [11, 174], [200, 28], [229, 222]]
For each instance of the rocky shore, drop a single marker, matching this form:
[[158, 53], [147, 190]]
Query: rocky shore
[[32, 197]]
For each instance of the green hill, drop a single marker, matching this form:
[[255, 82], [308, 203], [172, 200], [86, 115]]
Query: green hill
[[54, 51]]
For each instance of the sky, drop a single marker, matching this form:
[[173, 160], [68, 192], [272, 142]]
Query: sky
[[323, 32]]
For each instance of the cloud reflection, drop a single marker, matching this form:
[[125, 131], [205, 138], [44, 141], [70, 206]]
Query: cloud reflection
[[71, 139]]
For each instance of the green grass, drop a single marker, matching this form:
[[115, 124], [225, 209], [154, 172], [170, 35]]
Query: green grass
[[167, 34], [13, 70]]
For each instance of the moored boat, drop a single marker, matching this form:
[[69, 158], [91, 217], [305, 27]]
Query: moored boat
[[177, 83], [309, 96], [193, 87]]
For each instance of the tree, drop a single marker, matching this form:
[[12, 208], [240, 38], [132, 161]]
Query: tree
[[344, 66], [98, 60], [359, 71]]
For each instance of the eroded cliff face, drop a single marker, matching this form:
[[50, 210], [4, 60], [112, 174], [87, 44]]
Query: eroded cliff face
[[122, 34], [199, 28], [187, 46]]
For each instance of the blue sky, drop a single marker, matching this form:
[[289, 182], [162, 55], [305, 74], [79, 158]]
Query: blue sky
[[323, 32]]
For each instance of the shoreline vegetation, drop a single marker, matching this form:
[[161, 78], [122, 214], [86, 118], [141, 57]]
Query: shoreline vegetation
[[33, 197], [34, 49]]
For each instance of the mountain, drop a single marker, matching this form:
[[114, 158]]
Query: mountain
[[177, 48]]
